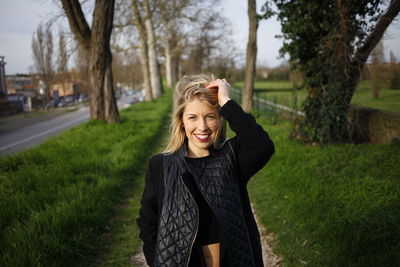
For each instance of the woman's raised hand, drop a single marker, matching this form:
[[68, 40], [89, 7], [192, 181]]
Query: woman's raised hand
[[223, 88]]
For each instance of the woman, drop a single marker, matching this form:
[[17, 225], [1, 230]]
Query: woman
[[195, 209]]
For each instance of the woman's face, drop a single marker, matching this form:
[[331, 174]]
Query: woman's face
[[201, 123]]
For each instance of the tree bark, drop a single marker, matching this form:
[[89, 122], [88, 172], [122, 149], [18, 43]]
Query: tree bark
[[151, 44], [168, 63], [171, 56], [143, 51], [251, 56], [96, 41]]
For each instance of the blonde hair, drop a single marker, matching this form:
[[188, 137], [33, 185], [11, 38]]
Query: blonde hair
[[187, 89]]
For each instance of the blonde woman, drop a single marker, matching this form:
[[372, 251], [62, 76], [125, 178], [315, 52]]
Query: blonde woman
[[195, 209]]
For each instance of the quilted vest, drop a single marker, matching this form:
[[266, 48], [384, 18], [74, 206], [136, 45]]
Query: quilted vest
[[217, 180]]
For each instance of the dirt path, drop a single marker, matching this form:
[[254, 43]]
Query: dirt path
[[267, 241]]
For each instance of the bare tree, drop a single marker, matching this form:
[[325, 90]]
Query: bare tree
[[82, 69], [173, 13], [251, 56], [375, 69], [96, 40], [156, 85], [62, 53], [42, 48], [63, 56], [394, 80], [139, 24]]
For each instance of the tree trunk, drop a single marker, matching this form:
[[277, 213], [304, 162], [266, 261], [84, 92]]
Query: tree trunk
[[168, 63], [151, 44], [96, 41], [143, 51], [171, 57], [251, 55]]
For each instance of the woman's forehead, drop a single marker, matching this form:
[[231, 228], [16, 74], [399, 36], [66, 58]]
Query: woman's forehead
[[196, 106]]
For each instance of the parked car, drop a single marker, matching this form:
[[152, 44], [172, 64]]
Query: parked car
[[61, 102], [69, 100], [82, 98]]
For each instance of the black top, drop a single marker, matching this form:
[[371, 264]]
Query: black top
[[209, 229], [208, 232], [253, 148]]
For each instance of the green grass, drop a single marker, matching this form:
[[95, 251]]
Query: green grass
[[330, 206], [389, 99], [122, 241], [56, 200]]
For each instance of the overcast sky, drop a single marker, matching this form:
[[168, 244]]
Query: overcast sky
[[20, 18]]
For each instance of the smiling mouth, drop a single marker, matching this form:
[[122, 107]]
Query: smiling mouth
[[203, 137]]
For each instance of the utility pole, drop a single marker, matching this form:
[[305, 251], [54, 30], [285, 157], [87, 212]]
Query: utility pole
[[3, 85]]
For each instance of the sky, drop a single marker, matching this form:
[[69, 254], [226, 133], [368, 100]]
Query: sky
[[20, 18]]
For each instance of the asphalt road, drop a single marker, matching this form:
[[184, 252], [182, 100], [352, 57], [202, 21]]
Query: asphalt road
[[31, 135]]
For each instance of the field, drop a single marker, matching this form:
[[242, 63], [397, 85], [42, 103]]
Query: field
[[330, 206], [73, 201], [280, 91]]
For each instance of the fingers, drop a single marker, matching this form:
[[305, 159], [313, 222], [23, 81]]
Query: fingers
[[217, 83]]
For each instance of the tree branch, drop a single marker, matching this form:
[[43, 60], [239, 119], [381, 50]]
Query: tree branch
[[77, 21], [373, 39]]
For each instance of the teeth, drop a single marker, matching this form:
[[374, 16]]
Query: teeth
[[202, 136]]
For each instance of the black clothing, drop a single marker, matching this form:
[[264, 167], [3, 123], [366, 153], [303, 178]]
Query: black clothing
[[253, 148], [209, 229], [208, 232]]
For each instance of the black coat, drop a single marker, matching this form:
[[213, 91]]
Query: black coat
[[253, 148]]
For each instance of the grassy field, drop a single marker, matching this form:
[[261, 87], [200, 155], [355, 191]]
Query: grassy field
[[331, 206], [56, 200], [280, 91], [73, 201], [122, 241]]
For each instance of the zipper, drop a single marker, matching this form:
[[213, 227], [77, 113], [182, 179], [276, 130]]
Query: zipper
[[197, 225]]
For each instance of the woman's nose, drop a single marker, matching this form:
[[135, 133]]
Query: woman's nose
[[203, 125]]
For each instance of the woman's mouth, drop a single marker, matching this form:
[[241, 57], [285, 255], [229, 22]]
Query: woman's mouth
[[202, 137]]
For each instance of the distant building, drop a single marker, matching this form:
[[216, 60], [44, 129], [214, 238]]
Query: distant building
[[21, 84], [63, 89], [263, 73]]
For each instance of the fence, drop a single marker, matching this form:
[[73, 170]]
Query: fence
[[268, 105], [366, 125]]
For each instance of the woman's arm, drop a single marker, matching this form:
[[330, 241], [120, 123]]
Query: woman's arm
[[252, 144], [148, 219]]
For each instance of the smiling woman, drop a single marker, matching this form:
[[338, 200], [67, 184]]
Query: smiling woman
[[195, 209], [200, 122]]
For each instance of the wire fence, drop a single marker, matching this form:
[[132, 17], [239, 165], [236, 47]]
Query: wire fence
[[268, 105]]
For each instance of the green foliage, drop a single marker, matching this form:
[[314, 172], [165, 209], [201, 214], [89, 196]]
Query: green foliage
[[335, 205], [56, 199], [322, 38]]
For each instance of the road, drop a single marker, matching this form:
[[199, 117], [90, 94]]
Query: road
[[31, 135]]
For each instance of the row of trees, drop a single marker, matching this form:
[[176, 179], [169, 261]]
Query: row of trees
[[43, 51], [180, 32], [328, 42]]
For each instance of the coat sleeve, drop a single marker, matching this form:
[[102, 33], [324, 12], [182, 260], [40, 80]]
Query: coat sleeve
[[148, 216], [252, 144]]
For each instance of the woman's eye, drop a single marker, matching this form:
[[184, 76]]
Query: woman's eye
[[191, 118]]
